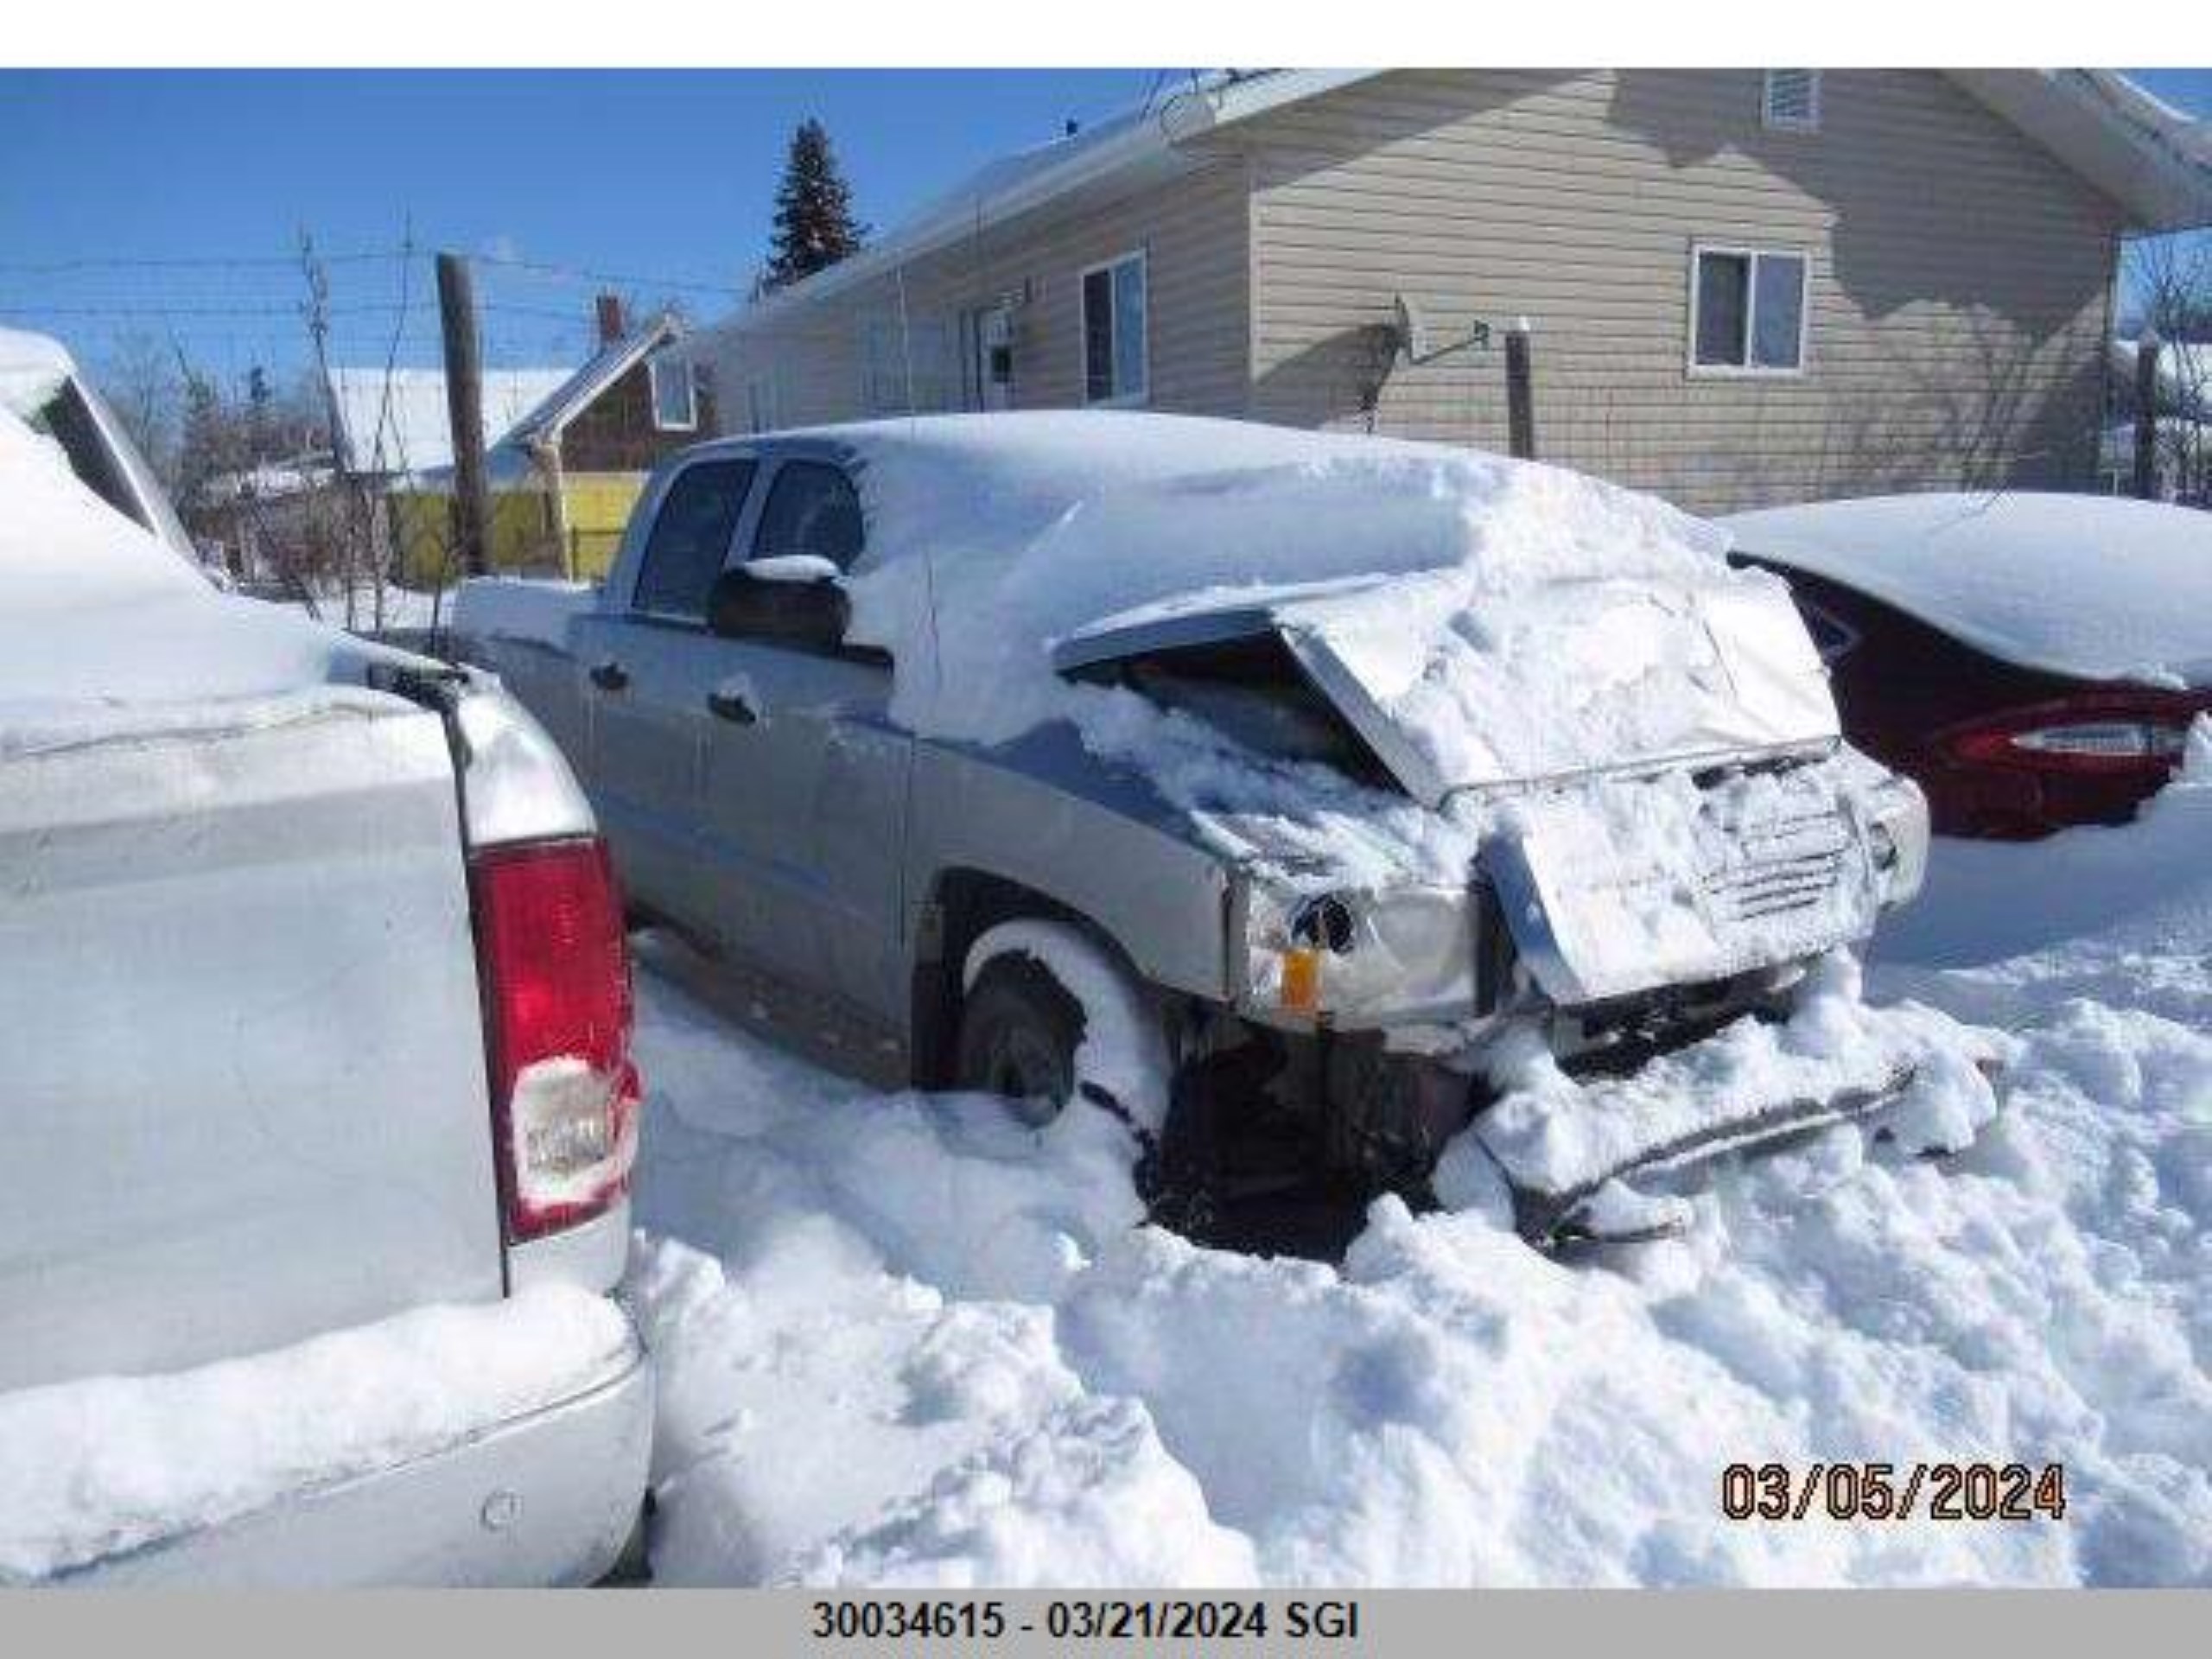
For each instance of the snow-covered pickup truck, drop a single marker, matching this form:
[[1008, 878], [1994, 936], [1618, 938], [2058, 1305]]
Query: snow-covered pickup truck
[[318, 1109], [1239, 778]]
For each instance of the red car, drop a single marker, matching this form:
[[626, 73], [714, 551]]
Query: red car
[[2032, 661]]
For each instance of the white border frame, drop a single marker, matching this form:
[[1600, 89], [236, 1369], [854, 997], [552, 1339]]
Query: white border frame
[[1747, 370], [1140, 257], [1773, 122], [654, 366]]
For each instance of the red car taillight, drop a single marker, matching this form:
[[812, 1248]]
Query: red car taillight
[[2106, 734], [557, 1013]]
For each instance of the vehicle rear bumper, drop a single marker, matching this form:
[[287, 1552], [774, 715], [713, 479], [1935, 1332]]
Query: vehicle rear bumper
[[549, 1498]]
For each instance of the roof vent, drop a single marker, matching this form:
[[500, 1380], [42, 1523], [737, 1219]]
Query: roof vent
[[1792, 99]]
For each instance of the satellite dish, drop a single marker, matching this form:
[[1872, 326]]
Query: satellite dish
[[1420, 346], [1413, 329]]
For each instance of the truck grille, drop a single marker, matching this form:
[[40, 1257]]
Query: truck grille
[[1784, 865]]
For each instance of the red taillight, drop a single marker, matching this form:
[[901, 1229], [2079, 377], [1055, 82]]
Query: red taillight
[[558, 1012], [2116, 733]]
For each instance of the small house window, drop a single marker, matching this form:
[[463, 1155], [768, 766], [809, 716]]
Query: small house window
[[1791, 101], [1115, 355], [904, 366], [1748, 310], [676, 395]]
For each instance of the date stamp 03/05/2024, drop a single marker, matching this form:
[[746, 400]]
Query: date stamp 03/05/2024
[[1884, 1491]]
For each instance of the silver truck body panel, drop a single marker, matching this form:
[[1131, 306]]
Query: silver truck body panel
[[239, 989], [811, 838], [548, 1498], [244, 1072]]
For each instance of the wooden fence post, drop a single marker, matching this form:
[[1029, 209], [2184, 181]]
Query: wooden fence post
[[1520, 392], [465, 410], [2146, 416]]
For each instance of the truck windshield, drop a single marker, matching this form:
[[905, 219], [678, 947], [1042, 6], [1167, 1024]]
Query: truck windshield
[[1252, 691]]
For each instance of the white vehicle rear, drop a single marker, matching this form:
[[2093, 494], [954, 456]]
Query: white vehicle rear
[[318, 1010]]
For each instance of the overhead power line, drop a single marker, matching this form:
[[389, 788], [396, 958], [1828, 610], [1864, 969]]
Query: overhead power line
[[613, 278], [210, 262]]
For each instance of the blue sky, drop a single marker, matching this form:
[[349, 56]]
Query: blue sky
[[666, 177]]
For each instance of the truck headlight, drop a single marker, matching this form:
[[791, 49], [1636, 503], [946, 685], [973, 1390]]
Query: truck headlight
[[1368, 956], [1897, 840]]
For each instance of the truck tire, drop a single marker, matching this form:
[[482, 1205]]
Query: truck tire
[[1020, 1030]]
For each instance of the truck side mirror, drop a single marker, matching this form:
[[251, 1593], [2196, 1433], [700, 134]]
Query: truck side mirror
[[795, 601]]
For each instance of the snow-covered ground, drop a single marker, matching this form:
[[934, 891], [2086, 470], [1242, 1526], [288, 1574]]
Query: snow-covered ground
[[902, 1341]]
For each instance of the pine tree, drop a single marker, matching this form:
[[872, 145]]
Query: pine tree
[[814, 226]]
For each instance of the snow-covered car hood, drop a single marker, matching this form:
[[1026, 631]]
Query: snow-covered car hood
[[2093, 586], [1455, 690]]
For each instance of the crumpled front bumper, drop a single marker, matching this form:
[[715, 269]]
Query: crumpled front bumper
[[1577, 1152]]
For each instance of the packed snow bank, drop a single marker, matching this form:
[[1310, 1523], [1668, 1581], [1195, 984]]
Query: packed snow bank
[[2136, 575], [97, 617], [936, 1349], [93, 1468], [1511, 586]]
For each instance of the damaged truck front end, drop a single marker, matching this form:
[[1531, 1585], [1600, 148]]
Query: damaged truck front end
[[1583, 962]]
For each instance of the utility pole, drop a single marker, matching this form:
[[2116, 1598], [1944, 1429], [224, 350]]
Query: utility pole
[[2146, 414], [472, 504], [1520, 393]]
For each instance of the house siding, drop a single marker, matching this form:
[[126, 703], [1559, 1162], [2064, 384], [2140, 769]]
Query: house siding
[[811, 363], [1959, 291]]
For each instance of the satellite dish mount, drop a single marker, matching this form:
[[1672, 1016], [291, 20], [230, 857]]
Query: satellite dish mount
[[1416, 341]]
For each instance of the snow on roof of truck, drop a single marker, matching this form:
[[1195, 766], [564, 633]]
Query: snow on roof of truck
[[2096, 587], [993, 539]]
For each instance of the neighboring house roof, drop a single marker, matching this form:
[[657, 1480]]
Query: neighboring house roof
[[2150, 157], [510, 460], [270, 480], [546, 422], [396, 421]]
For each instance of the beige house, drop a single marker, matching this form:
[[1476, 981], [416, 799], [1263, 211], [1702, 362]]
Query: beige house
[[1743, 286]]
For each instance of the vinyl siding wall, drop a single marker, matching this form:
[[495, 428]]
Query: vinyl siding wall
[[1960, 287], [845, 356]]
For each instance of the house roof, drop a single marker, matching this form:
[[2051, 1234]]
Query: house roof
[[396, 421], [546, 421], [2150, 157], [1126, 149], [510, 461]]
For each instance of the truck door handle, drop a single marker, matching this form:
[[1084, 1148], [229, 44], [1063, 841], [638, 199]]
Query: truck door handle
[[732, 707], [609, 676]]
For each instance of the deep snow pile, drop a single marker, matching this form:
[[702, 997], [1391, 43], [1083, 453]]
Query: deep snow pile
[[98, 1467], [907, 1342]]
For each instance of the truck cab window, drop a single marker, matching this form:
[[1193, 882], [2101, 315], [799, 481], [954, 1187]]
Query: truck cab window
[[811, 508], [691, 537]]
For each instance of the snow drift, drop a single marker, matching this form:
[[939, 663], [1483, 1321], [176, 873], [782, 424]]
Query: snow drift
[[905, 1342]]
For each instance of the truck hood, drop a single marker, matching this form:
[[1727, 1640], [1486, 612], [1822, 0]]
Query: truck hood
[[1455, 688]]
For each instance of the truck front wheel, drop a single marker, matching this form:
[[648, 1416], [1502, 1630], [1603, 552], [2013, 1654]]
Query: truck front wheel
[[1020, 1030]]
